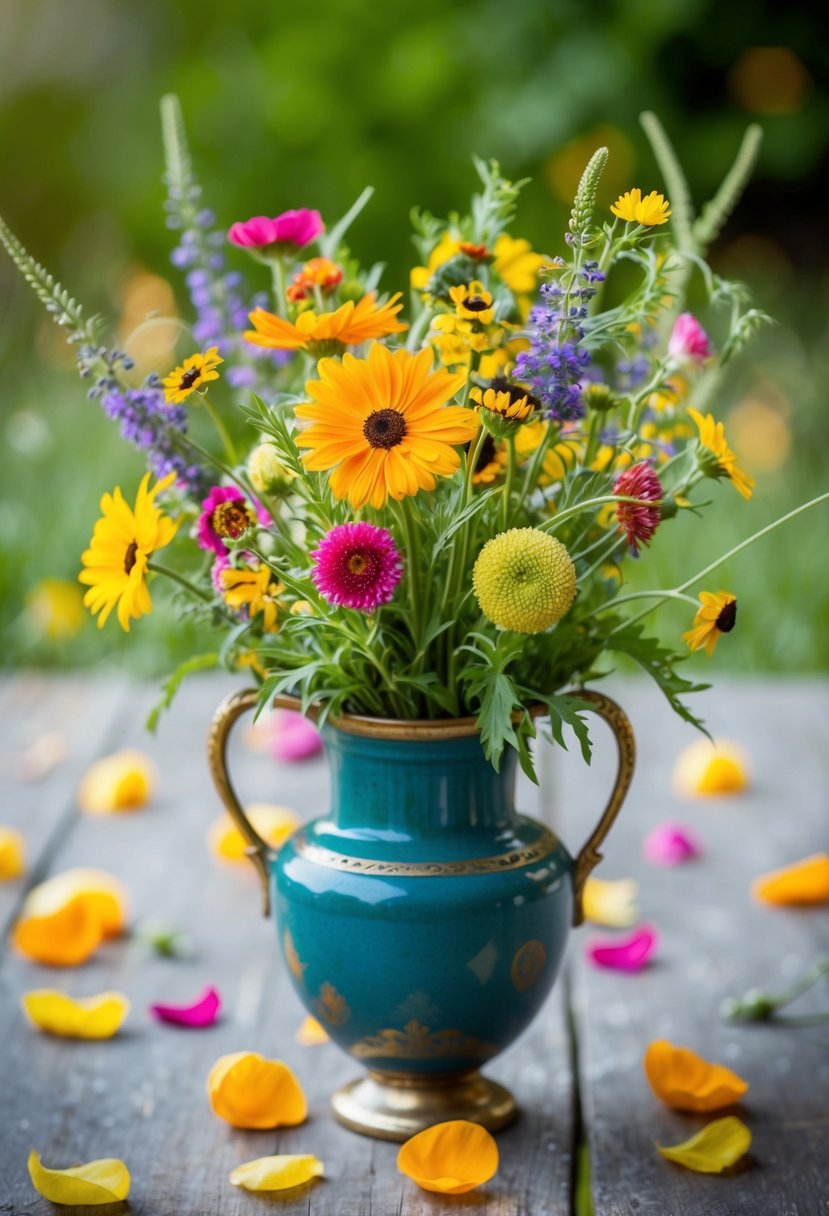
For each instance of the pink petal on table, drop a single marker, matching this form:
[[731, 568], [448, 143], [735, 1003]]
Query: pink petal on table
[[670, 844], [624, 954], [294, 737], [202, 1012]]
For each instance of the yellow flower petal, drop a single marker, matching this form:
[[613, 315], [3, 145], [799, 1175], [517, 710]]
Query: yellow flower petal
[[124, 781], [246, 1090], [273, 823], [684, 1081], [713, 1149], [611, 903], [803, 882], [311, 1033], [103, 894], [277, 1173], [92, 1017], [450, 1158], [706, 769], [97, 1182], [11, 854]]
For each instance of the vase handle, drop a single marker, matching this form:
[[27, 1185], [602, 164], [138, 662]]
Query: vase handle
[[224, 719], [589, 857]]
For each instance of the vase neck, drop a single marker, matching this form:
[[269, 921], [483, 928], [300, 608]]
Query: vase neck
[[419, 786]]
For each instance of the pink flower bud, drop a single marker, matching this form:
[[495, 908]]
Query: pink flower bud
[[688, 340]]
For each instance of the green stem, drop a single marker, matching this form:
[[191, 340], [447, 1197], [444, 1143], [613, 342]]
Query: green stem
[[224, 435], [507, 488], [550, 524], [278, 276], [191, 588]]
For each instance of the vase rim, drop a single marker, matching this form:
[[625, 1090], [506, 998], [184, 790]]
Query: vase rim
[[415, 729]]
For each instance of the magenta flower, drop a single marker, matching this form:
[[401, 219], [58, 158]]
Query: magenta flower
[[670, 844], [629, 954], [688, 341], [295, 228], [357, 566], [202, 1012], [638, 522], [225, 515]]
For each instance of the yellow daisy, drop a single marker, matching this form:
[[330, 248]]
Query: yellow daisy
[[255, 590], [117, 559], [381, 425], [199, 369], [716, 615], [712, 438], [472, 302], [327, 332], [516, 264], [649, 211]]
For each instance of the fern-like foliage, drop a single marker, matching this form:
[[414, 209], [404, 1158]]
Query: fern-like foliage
[[715, 213], [584, 205]]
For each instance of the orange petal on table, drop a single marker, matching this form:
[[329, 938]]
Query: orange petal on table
[[311, 1033], [803, 882], [450, 1158], [277, 1173], [714, 1148], [63, 938], [104, 894], [273, 823], [684, 1081], [611, 903], [124, 781], [246, 1090], [93, 1184], [91, 1017], [710, 770], [11, 854]]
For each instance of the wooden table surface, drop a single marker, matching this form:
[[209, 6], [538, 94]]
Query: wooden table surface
[[577, 1072]]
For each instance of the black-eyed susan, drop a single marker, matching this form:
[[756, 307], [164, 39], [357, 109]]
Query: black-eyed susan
[[503, 402], [194, 372], [117, 560], [381, 425], [716, 615], [254, 589], [649, 211], [472, 302], [723, 462], [524, 580], [488, 466], [327, 332]]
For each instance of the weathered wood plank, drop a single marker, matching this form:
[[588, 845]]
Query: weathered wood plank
[[715, 943], [141, 1095]]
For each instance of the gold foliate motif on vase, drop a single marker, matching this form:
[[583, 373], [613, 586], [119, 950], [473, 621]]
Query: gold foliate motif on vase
[[527, 965], [331, 1006], [417, 1042]]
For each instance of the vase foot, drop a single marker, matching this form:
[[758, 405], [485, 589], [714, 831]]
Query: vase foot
[[395, 1106]]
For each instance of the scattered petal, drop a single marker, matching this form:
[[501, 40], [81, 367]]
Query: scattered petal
[[311, 1033], [273, 823], [611, 903], [202, 1012], [277, 1173], [803, 882], [38, 760], [103, 893], [670, 844], [124, 781], [450, 1158], [97, 1182], [713, 1149], [91, 1017], [684, 1081], [631, 954], [707, 769], [294, 737], [12, 862], [63, 938], [249, 1091]]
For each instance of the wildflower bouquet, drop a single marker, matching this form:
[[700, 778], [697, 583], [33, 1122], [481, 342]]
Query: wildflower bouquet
[[425, 513]]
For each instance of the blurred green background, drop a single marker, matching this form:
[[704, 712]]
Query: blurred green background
[[302, 105]]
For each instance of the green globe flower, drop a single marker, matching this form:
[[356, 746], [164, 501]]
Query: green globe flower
[[524, 580], [267, 473]]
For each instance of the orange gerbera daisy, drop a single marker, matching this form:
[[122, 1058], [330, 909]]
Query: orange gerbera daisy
[[380, 423], [328, 332]]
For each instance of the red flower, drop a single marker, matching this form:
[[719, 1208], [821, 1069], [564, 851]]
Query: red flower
[[638, 521]]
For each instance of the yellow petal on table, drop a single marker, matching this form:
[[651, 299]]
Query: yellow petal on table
[[713, 1149], [611, 903], [248, 1091], [97, 1182], [685, 1081], [11, 854], [450, 1158], [311, 1033], [273, 823], [277, 1173], [103, 893], [63, 938], [711, 770], [803, 882], [124, 781], [91, 1017]]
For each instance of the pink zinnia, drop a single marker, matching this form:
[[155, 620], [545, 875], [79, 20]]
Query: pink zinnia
[[357, 566], [295, 228], [688, 340], [638, 522], [224, 515]]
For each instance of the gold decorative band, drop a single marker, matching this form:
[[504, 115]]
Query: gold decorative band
[[494, 864]]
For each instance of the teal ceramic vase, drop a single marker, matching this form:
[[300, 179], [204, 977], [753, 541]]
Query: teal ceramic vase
[[422, 918]]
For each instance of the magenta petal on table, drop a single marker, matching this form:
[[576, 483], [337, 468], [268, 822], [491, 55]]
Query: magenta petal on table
[[631, 953], [202, 1012], [670, 844], [294, 737]]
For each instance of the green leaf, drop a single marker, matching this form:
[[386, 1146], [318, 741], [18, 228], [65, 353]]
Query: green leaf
[[565, 709], [200, 662], [660, 663], [329, 242], [715, 213], [679, 195]]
